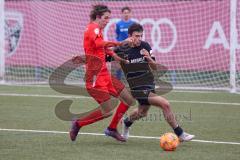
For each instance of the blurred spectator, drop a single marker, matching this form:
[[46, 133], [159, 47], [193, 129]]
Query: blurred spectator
[[122, 32]]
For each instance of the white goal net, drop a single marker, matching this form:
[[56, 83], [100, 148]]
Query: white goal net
[[196, 40]]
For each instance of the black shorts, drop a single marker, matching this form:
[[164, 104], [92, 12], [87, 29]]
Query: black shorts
[[141, 93]]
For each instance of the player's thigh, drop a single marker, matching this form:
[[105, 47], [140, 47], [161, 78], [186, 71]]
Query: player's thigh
[[116, 85], [100, 93], [121, 91], [157, 100]]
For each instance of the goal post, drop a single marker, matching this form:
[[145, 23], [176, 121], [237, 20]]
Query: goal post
[[2, 40], [233, 45]]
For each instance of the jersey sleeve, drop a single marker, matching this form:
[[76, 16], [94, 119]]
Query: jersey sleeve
[[116, 49], [93, 32], [149, 49], [109, 52], [97, 37]]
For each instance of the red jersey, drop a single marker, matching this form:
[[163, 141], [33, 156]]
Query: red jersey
[[99, 83], [94, 43], [92, 37]]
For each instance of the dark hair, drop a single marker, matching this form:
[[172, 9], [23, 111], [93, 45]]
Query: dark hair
[[126, 8], [135, 27], [98, 10]]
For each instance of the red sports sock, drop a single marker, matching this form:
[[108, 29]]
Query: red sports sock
[[91, 118], [121, 110]]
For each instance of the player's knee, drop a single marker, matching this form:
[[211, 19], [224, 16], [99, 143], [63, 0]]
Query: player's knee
[[107, 114], [130, 101], [165, 105], [142, 113]]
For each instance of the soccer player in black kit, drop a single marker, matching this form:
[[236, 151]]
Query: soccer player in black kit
[[141, 82]]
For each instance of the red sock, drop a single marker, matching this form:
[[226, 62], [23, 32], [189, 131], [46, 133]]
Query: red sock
[[91, 118], [121, 110]]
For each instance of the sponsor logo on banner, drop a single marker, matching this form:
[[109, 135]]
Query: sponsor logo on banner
[[13, 31], [155, 32]]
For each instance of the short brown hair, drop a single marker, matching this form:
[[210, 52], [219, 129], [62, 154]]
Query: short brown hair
[[98, 10], [135, 27]]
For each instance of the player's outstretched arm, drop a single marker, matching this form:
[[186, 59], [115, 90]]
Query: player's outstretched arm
[[119, 59], [128, 41], [111, 44]]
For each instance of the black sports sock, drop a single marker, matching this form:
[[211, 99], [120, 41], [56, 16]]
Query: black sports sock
[[127, 122], [178, 131]]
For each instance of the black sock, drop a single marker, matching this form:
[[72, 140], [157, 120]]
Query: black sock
[[127, 122], [178, 131]]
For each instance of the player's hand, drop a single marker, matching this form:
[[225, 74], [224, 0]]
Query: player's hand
[[125, 61], [127, 42], [145, 53]]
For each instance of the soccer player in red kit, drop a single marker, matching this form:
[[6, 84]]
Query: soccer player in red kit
[[99, 82]]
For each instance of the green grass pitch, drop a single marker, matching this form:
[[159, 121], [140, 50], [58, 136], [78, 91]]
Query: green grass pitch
[[212, 116]]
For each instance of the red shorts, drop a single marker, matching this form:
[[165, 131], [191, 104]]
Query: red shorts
[[104, 87]]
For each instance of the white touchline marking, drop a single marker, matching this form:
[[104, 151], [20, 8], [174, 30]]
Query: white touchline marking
[[85, 97], [40, 95], [205, 102], [100, 134], [175, 89]]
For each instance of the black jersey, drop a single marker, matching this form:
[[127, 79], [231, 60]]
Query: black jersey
[[137, 72]]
